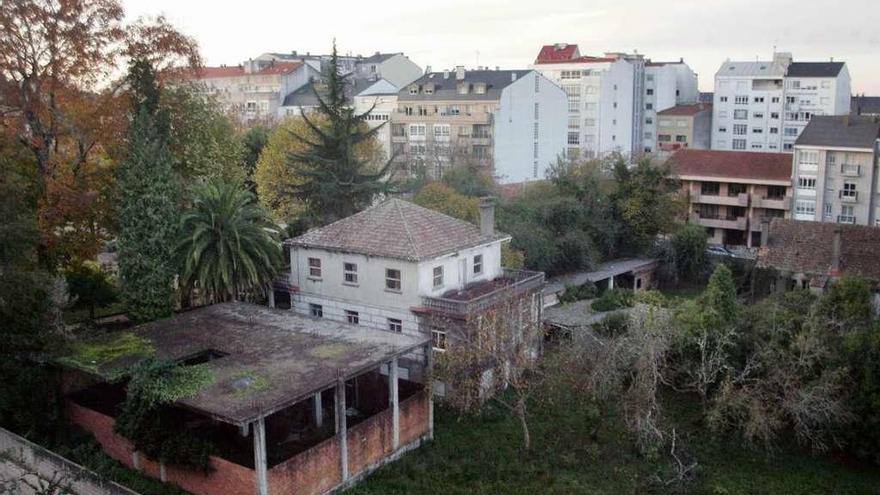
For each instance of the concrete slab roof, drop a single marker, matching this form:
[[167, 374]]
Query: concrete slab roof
[[274, 358], [605, 270]]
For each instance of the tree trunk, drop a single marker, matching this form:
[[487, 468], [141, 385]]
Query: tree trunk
[[521, 412]]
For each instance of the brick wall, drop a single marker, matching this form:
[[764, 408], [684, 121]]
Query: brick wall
[[414, 417], [312, 472], [370, 441], [227, 478]]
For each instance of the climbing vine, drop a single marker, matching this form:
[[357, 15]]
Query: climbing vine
[[149, 421]]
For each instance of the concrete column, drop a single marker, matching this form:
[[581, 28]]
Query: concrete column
[[136, 460], [394, 402], [342, 427], [260, 463], [429, 385], [319, 410], [163, 477], [611, 282], [271, 297]]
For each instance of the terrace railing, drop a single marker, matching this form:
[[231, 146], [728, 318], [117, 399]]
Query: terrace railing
[[521, 281]]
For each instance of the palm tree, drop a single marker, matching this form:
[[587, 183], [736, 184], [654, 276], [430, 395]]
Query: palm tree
[[228, 246]]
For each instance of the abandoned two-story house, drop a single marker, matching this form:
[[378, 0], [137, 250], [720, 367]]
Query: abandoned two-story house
[[403, 268]]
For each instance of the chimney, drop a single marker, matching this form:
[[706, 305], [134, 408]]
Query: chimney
[[487, 216], [512, 76], [459, 72], [765, 231], [835, 253], [427, 69], [445, 74]]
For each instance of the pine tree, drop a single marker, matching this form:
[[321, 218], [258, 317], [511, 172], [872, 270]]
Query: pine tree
[[334, 181], [148, 213]]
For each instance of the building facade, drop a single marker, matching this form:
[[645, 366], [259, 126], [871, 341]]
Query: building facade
[[764, 106], [667, 85], [732, 193], [396, 266], [380, 99], [684, 127], [836, 171], [254, 91], [510, 121]]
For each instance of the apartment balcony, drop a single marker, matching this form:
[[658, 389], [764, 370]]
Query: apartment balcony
[[737, 200], [480, 140], [463, 117], [849, 197], [772, 203], [848, 170], [719, 222], [478, 297]]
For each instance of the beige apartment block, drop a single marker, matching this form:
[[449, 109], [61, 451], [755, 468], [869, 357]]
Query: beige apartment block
[[685, 127], [732, 193]]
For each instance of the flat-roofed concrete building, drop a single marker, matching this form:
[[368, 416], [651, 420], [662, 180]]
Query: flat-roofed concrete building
[[836, 170], [731, 193], [685, 127]]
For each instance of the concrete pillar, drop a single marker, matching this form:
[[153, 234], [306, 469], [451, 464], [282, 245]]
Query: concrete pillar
[[244, 430], [136, 460], [271, 297], [342, 427], [319, 410], [163, 477], [429, 386], [611, 282], [394, 402], [260, 463]]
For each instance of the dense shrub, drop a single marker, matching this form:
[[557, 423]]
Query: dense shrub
[[613, 299]]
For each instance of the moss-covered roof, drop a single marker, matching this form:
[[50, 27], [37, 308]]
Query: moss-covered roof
[[273, 358]]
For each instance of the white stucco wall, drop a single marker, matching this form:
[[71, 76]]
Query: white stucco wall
[[514, 129], [615, 122]]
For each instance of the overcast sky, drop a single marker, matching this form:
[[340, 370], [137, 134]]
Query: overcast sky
[[509, 33]]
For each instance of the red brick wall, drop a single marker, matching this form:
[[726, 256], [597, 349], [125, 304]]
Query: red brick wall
[[370, 441], [227, 478], [414, 417], [312, 472]]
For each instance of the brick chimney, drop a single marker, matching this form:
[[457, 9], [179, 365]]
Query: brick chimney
[[487, 216], [835, 270]]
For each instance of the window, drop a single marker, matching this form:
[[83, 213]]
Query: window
[[827, 213], [417, 130], [537, 83], [395, 325], [316, 310], [740, 114], [739, 129], [680, 139], [808, 183], [710, 188], [774, 130], [589, 122], [739, 144], [809, 158], [478, 264], [775, 99], [438, 339], [392, 279], [847, 215], [741, 100], [849, 190], [314, 267], [573, 123], [805, 207], [649, 120], [352, 316], [649, 92], [535, 131], [774, 115], [649, 106], [757, 146], [723, 99], [537, 108], [441, 131], [757, 130], [757, 115], [438, 276], [574, 138], [350, 273], [722, 129], [758, 99], [663, 138], [790, 131]]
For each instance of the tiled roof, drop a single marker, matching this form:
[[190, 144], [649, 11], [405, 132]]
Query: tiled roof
[[847, 131], [684, 110], [377, 58], [734, 165], [275, 68], [557, 53], [806, 247], [865, 105], [814, 69], [304, 96], [396, 229], [445, 88]]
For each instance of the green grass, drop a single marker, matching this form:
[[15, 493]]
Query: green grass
[[679, 295], [90, 355], [483, 455]]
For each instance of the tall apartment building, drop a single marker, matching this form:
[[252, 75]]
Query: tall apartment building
[[512, 121], [835, 170], [667, 85], [254, 91], [732, 193], [764, 106], [613, 99]]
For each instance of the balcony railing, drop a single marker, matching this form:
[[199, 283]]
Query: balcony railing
[[719, 222], [848, 170], [772, 202], [850, 219], [717, 199], [475, 299], [849, 196]]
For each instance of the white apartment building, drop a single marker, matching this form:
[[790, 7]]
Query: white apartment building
[[380, 99], [396, 265], [836, 170], [667, 84], [511, 121], [764, 106], [613, 99]]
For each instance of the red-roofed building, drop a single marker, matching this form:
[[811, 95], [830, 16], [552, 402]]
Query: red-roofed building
[[253, 91], [685, 127], [732, 192]]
